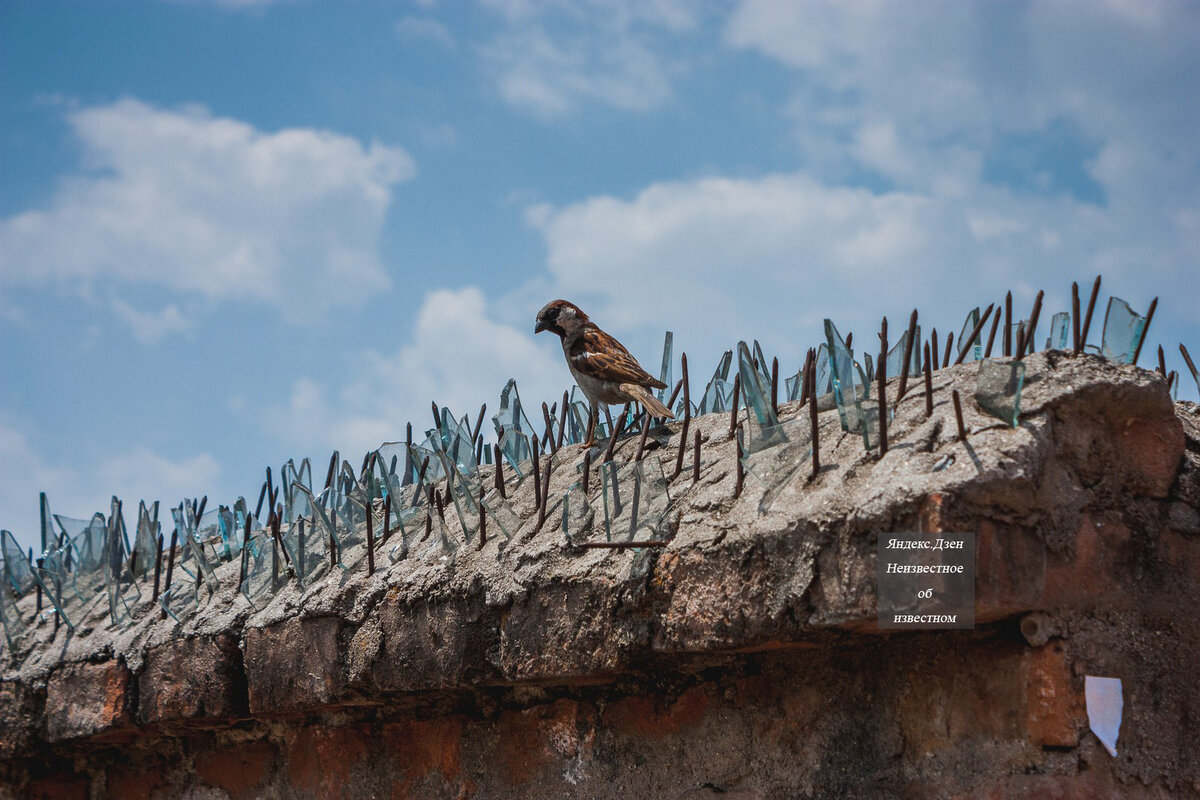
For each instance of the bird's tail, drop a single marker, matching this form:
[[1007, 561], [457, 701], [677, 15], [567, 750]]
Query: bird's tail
[[647, 399]]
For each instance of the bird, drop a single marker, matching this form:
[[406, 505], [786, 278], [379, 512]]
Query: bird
[[601, 365]]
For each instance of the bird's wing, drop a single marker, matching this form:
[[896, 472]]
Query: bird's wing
[[600, 356]]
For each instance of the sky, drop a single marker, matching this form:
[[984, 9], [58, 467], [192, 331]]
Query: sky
[[234, 232]]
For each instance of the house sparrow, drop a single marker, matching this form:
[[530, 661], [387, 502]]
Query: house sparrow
[[601, 365]]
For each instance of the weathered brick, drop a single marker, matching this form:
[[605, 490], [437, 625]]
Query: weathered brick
[[192, 678], [84, 699], [239, 770], [293, 665]]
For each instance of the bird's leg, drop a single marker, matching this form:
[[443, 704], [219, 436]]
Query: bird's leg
[[591, 432]]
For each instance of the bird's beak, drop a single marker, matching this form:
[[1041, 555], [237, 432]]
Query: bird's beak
[[539, 327]]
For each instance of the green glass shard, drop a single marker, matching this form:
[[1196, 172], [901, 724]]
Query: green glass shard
[[776, 454], [848, 380], [717, 393], [515, 447], [57, 581], [895, 356], [577, 515], [666, 373], [964, 333], [1059, 328], [145, 545], [1122, 332], [998, 388], [50, 538], [756, 391], [295, 503], [824, 377], [263, 568], [17, 571], [180, 600], [763, 366], [200, 559], [869, 368], [10, 616], [119, 582], [636, 499]]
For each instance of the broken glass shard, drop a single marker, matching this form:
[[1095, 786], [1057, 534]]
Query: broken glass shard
[[119, 580], [264, 569], [577, 515], [50, 538], [1060, 324], [666, 373], [824, 376], [10, 616], [968, 327], [895, 356], [145, 545], [776, 454], [717, 392], [57, 581], [848, 380], [998, 388], [199, 555], [756, 392], [1122, 332], [515, 447], [18, 573], [635, 499], [181, 600], [869, 369], [763, 366]]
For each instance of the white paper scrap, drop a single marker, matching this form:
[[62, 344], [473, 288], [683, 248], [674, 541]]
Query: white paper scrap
[[1104, 707]]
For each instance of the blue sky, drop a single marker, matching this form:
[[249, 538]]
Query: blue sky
[[237, 232]]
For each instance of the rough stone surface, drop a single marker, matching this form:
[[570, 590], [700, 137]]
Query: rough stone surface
[[742, 660]]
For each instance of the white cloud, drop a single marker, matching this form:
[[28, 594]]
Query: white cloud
[[458, 355], [82, 487], [211, 206], [552, 57], [151, 327], [721, 259]]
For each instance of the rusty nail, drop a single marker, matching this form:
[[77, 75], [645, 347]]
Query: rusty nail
[[479, 421], [545, 493], [428, 524], [1008, 342], [775, 385], [387, 518], [962, 353], [1076, 344], [741, 471], [157, 569], [498, 475], [696, 458], [1087, 318], [962, 430], [482, 521], [1145, 329], [733, 406], [1020, 341], [587, 470], [1162, 362], [683, 432], [811, 375], [641, 448], [1030, 341], [949, 349], [370, 539], [537, 480], [928, 383], [987, 351], [934, 343], [562, 420], [262, 493], [908, 348], [621, 545], [687, 395], [675, 393], [1187, 357], [881, 373], [408, 464]]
